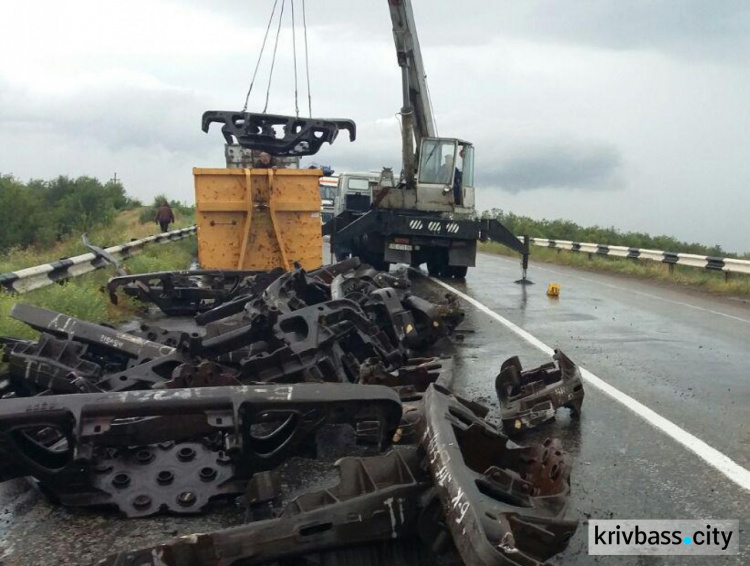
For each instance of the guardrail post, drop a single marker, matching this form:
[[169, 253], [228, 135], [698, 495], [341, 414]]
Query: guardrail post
[[671, 268]]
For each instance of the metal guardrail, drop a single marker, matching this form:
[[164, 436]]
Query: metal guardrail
[[725, 264], [31, 278]]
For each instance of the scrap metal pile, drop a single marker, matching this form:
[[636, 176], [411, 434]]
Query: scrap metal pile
[[157, 420]]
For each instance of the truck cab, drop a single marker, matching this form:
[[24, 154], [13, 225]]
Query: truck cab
[[328, 189], [354, 192], [444, 180]]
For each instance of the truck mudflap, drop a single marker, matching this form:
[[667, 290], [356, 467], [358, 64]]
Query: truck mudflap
[[531, 397], [503, 504]]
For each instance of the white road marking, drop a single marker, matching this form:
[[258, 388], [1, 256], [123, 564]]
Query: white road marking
[[705, 452], [641, 293]]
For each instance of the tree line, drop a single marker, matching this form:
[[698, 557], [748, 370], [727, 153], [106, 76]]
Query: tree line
[[41, 212], [567, 230]]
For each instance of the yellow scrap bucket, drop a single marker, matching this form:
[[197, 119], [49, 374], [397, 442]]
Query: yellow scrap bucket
[[258, 218]]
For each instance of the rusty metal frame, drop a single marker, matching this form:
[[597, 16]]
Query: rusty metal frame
[[378, 499], [182, 293], [531, 397], [503, 505], [81, 447], [301, 136]]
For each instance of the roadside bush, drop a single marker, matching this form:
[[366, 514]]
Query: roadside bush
[[40, 213], [567, 230]]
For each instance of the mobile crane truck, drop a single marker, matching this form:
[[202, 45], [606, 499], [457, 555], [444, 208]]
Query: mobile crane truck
[[428, 215]]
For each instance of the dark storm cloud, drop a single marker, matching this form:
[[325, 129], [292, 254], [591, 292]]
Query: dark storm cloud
[[689, 28], [593, 167]]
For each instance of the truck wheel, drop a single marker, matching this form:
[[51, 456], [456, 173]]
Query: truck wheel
[[458, 271], [435, 268], [341, 256]]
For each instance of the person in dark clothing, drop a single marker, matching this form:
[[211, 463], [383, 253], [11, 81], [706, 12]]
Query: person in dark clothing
[[457, 180], [446, 170], [265, 161], [164, 216], [457, 187]]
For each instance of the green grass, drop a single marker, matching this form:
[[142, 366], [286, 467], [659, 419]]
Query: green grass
[[127, 226], [691, 277], [84, 296]]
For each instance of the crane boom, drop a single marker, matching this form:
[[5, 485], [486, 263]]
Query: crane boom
[[429, 214], [414, 75], [417, 121]]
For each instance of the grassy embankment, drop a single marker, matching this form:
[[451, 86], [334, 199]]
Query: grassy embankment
[[692, 277], [82, 296]]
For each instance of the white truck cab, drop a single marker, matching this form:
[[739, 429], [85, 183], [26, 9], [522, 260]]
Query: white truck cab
[[354, 191], [444, 180], [328, 190]]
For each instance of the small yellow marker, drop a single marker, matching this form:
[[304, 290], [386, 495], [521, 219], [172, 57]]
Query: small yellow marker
[[553, 290]]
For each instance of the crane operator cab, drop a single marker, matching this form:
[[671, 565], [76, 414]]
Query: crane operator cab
[[444, 180], [447, 165]]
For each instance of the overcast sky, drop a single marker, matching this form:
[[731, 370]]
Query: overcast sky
[[625, 113]]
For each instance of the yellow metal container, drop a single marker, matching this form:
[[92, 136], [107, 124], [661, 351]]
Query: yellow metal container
[[258, 218]]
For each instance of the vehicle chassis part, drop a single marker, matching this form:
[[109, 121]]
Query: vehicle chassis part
[[377, 499], [512, 513], [530, 398], [90, 460], [181, 293], [301, 136], [502, 505]]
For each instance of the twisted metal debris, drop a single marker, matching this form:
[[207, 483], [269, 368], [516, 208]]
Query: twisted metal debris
[[169, 417], [530, 398]]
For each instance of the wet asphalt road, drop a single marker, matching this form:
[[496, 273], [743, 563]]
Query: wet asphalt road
[[684, 355]]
